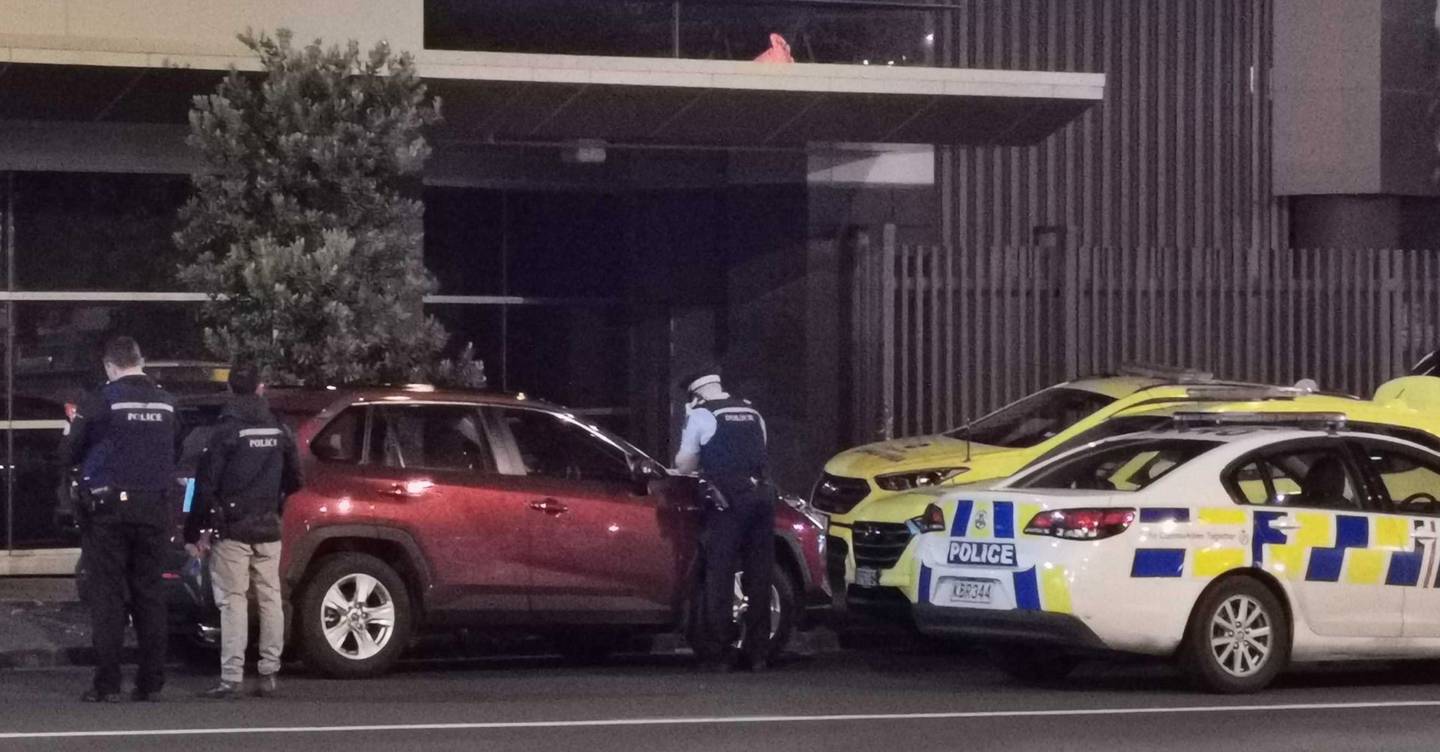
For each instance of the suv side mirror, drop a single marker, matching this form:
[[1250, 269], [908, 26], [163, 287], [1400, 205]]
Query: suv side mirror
[[643, 470]]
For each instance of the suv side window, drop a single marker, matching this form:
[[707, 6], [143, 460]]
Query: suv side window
[[429, 437], [343, 440], [1313, 477], [1410, 481], [552, 446]]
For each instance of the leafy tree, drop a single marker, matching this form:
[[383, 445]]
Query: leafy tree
[[303, 227]]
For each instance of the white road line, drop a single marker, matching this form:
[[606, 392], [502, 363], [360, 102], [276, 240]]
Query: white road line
[[721, 720]]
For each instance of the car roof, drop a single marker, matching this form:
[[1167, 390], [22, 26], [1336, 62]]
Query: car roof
[[309, 399], [1242, 438]]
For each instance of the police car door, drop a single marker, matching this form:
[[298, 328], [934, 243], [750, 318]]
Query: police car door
[[600, 542], [1407, 482], [1320, 531]]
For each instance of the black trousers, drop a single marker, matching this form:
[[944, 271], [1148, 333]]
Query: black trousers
[[741, 538], [123, 560]]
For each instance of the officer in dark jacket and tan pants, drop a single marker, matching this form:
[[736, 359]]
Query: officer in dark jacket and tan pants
[[123, 439], [248, 468]]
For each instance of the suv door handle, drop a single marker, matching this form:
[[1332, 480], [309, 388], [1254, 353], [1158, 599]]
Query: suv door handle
[[549, 506], [1284, 523]]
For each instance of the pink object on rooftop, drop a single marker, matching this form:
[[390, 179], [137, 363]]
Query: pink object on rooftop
[[779, 51]]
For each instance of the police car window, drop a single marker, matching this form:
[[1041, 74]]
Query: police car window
[[429, 437], [1411, 482], [343, 438], [1312, 478], [553, 447], [1034, 419], [1261, 482], [1128, 466]]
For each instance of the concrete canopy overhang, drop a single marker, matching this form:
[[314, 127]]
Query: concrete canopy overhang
[[524, 98]]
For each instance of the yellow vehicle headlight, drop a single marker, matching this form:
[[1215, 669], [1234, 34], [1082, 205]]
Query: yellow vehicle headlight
[[918, 478]]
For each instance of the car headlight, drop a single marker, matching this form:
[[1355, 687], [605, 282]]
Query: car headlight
[[918, 478], [803, 507]]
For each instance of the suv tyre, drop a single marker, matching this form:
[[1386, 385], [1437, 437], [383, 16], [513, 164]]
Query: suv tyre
[[354, 617]]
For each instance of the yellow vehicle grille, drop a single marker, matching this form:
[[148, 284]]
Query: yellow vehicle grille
[[879, 544], [838, 495]]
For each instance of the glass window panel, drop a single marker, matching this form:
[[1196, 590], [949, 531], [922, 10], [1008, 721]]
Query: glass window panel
[[429, 437], [85, 231], [552, 447], [463, 245], [736, 30], [58, 347], [573, 27]]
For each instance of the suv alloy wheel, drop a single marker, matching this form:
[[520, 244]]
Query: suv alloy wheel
[[354, 617]]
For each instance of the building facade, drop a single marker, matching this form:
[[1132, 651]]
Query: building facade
[[618, 195]]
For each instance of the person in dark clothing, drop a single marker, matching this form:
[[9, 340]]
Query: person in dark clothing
[[249, 466], [724, 439], [123, 440]]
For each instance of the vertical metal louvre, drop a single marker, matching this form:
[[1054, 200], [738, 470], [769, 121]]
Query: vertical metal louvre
[[945, 334], [1176, 156]]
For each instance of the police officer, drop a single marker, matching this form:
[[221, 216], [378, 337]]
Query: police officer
[[123, 439], [724, 441], [247, 469]]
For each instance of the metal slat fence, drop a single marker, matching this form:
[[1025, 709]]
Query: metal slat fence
[[942, 336]]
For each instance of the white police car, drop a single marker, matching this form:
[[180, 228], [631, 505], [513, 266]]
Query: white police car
[[1235, 548]]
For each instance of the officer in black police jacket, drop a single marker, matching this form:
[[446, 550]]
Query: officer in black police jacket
[[247, 469], [123, 439], [724, 439]]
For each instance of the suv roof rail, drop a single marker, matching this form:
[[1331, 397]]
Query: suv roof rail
[[1174, 373], [1318, 421]]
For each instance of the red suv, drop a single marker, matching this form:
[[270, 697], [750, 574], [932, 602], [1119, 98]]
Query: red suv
[[426, 508]]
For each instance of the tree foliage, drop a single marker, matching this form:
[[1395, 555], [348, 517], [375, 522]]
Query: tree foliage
[[304, 227]]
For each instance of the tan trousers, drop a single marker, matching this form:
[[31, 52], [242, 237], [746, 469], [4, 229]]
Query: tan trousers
[[234, 567]]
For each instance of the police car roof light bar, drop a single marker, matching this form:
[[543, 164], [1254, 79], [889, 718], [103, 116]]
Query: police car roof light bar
[[1331, 422]]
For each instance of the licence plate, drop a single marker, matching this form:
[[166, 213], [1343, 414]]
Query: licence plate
[[971, 591], [867, 578]]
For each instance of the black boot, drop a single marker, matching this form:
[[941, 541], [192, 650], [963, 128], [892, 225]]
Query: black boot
[[223, 691]]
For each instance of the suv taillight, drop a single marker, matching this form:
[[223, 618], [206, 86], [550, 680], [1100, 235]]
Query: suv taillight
[[1081, 524]]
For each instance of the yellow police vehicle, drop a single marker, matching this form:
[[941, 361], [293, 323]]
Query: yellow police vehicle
[[863, 489]]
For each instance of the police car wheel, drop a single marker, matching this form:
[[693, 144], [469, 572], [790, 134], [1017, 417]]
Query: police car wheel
[[1033, 664], [1238, 639], [354, 619]]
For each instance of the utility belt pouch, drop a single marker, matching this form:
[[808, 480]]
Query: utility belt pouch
[[99, 502], [713, 497]]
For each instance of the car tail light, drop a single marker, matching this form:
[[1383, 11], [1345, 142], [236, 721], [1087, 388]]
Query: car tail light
[[933, 520], [1081, 524]]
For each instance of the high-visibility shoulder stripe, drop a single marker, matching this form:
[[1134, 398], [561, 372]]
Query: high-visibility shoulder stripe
[[261, 432], [143, 406]]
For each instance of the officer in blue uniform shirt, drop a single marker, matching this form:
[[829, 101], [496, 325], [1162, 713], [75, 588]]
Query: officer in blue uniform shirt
[[724, 440], [123, 440]]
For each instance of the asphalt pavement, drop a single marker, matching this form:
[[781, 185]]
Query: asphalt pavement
[[891, 700]]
